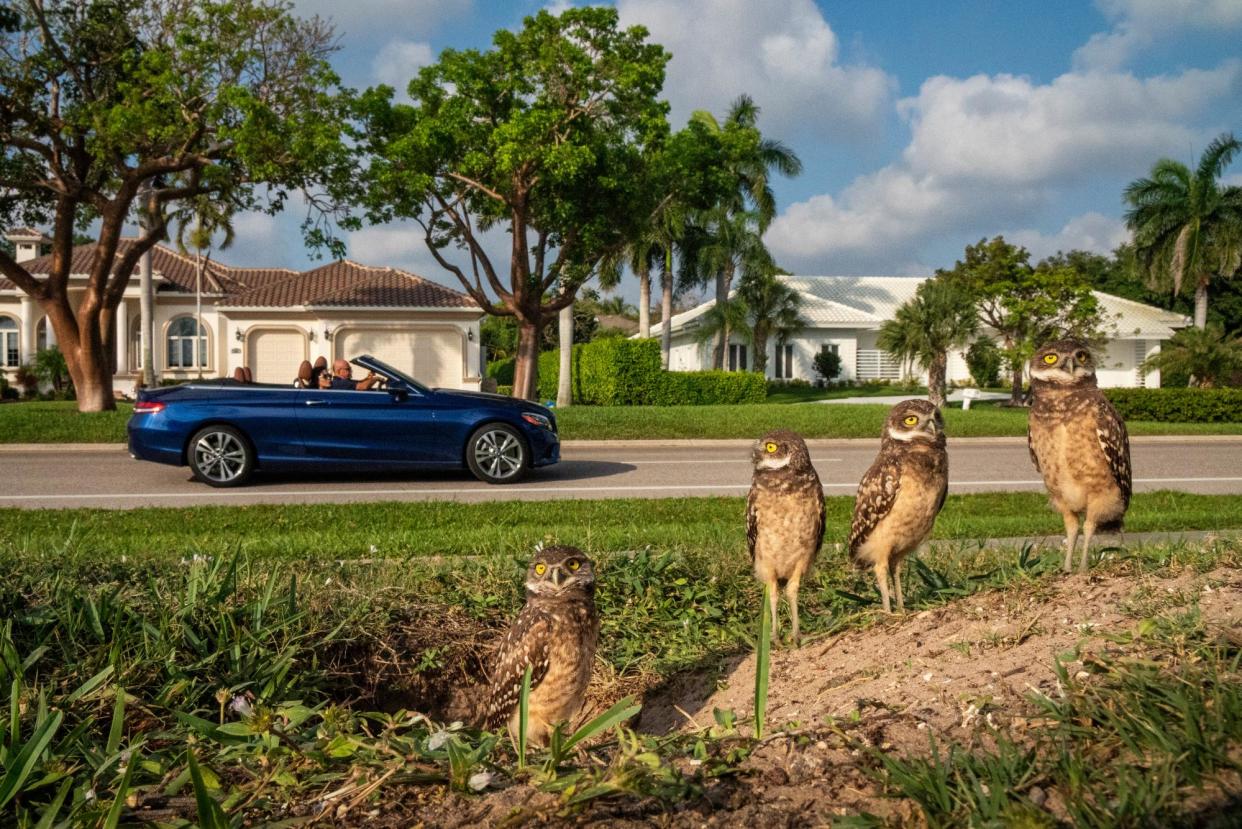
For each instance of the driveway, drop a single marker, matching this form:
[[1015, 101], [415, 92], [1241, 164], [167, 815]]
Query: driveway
[[107, 477]]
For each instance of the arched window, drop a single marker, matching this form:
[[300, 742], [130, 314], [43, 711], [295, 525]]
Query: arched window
[[10, 344], [181, 336], [41, 334]]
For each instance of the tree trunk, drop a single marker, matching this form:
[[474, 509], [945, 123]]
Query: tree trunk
[[722, 336], [666, 313], [935, 379], [644, 298], [1015, 391], [526, 367], [81, 341], [761, 351], [1201, 298], [564, 382]]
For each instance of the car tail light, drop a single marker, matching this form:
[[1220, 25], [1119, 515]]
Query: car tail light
[[149, 407]]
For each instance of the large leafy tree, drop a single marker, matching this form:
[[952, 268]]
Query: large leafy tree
[[750, 159], [1187, 226], [544, 135], [1024, 305], [111, 106], [940, 317]]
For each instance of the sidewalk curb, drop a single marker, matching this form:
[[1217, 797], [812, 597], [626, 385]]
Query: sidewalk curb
[[681, 443]]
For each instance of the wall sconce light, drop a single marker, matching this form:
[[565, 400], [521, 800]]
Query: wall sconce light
[[238, 335], [470, 334], [311, 335], [327, 333]]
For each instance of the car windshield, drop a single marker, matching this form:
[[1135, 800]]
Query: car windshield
[[383, 368]]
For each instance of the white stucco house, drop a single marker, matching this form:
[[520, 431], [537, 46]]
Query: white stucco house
[[845, 313], [269, 319]]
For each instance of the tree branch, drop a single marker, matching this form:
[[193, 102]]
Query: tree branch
[[482, 188]]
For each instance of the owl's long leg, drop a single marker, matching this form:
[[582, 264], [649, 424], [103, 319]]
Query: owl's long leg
[[1071, 538], [791, 595], [881, 575], [1088, 530], [895, 569]]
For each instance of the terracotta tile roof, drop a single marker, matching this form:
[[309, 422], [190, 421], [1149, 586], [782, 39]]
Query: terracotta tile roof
[[337, 284], [349, 284]]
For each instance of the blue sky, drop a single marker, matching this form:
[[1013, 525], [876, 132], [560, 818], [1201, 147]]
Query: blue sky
[[923, 126]]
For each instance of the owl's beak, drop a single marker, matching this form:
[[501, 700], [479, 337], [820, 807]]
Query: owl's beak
[[556, 576], [933, 427], [1073, 363]]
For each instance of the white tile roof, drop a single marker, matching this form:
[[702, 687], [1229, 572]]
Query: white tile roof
[[867, 301]]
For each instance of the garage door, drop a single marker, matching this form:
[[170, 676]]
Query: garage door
[[431, 357], [274, 355]]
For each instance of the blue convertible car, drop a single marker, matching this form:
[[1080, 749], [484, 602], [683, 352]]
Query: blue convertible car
[[224, 429]]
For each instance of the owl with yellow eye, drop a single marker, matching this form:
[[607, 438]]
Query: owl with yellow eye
[[784, 518], [901, 494], [555, 635]]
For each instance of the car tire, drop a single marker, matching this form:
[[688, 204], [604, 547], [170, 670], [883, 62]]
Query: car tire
[[497, 454], [220, 456]]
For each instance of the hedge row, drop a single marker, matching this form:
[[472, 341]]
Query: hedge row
[[622, 372], [502, 371], [1178, 405]]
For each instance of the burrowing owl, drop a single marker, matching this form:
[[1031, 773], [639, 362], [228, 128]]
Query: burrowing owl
[[901, 494], [1079, 443], [555, 633], [784, 518]]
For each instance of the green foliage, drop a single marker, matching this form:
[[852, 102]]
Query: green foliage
[[773, 311], [624, 372], [49, 366], [983, 360], [827, 363], [502, 371], [1178, 405], [941, 316], [1205, 355], [499, 335], [1026, 306]]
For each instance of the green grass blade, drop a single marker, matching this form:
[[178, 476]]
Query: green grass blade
[[523, 717], [48, 818], [763, 659], [88, 686], [619, 713], [25, 761], [118, 723], [114, 813], [210, 815]]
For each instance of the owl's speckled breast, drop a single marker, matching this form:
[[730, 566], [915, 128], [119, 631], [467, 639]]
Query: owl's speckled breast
[[787, 532], [1065, 440], [571, 655]]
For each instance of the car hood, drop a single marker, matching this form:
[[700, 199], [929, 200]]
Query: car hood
[[498, 399]]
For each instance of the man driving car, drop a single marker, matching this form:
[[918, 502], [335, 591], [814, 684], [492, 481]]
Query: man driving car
[[342, 378]]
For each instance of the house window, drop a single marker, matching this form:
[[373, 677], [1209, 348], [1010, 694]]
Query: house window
[[41, 335], [737, 358], [783, 368], [10, 347], [182, 334]]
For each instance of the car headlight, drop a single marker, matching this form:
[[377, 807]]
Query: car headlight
[[537, 420]]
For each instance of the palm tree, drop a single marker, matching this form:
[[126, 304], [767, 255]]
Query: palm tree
[[939, 317], [1187, 228], [723, 244], [198, 222], [773, 311], [1206, 355], [750, 159], [724, 318]]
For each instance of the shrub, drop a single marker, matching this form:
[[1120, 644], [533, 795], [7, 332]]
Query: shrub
[[778, 386], [984, 360], [505, 390], [28, 380], [7, 392], [827, 363], [1178, 405], [50, 367], [502, 371], [617, 372], [705, 388]]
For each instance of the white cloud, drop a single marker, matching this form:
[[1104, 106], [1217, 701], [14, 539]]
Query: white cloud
[[990, 151], [784, 55], [399, 61], [1138, 24], [1090, 231]]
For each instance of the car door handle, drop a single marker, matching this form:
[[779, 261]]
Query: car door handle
[[316, 402]]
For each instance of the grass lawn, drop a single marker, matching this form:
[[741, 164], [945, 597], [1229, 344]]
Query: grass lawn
[[706, 526], [806, 394], [180, 663], [60, 422]]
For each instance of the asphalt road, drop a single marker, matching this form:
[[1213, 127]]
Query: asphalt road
[[35, 477]]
